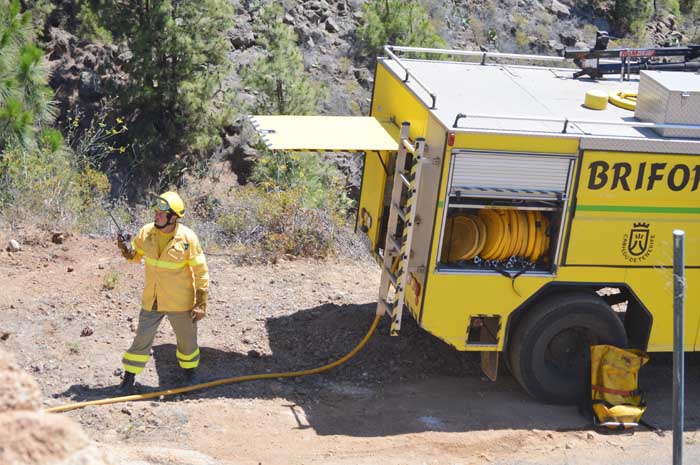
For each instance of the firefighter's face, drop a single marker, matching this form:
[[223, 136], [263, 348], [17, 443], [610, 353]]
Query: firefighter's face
[[161, 218]]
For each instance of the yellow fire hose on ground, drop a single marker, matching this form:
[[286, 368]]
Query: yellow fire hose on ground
[[237, 379]]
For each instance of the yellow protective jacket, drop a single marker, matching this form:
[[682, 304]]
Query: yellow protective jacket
[[173, 276]]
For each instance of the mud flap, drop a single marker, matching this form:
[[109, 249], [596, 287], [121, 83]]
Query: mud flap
[[489, 364]]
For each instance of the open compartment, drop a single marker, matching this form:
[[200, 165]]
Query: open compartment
[[504, 212]]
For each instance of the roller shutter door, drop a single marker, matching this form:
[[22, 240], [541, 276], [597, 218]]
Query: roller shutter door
[[508, 174]]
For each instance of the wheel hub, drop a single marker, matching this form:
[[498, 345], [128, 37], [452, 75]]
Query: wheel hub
[[568, 350]]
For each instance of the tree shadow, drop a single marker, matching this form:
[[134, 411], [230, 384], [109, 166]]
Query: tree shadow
[[394, 385]]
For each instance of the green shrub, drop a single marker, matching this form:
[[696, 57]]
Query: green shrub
[[669, 6], [59, 182], [629, 14], [47, 188], [320, 184], [397, 22], [295, 207], [521, 39], [521, 26], [73, 348], [690, 7], [110, 280], [99, 141], [636, 37], [268, 225]]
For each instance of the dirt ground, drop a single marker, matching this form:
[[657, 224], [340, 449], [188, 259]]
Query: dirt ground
[[69, 311]]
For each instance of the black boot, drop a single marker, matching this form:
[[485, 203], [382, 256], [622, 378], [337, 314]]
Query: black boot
[[191, 377], [126, 388]]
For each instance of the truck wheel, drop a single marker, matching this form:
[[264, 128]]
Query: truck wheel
[[549, 351]]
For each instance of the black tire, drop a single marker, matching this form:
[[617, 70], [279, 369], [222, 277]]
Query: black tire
[[549, 352]]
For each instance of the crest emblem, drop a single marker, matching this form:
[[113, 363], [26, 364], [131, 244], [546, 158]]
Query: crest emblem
[[638, 244], [639, 239]]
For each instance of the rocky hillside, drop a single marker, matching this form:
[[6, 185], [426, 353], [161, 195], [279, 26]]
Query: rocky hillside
[[85, 74]]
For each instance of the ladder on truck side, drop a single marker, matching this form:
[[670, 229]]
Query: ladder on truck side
[[400, 227]]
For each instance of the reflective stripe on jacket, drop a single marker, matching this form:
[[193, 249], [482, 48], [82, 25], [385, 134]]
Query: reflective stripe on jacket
[[172, 276]]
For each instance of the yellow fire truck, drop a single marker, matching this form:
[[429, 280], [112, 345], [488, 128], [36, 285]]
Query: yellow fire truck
[[514, 211]]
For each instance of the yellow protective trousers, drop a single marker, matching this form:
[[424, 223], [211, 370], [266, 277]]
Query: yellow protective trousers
[[139, 353]]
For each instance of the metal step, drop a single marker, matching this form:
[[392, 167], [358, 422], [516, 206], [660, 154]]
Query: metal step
[[406, 182], [401, 212], [396, 245], [388, 307], [392, 277]]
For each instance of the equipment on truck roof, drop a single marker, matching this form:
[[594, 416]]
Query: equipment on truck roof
[[631, 60]]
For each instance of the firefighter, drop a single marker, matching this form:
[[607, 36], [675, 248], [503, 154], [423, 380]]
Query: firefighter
[[176, 286]]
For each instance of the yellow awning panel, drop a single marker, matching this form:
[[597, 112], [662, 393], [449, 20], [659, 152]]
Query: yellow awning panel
[[326, 133]]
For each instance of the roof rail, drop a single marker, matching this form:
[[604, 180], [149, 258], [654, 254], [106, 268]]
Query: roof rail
[[566, 122], [483, 55], [390, 49]]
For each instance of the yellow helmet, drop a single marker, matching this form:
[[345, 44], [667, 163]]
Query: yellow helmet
[[170, 201]]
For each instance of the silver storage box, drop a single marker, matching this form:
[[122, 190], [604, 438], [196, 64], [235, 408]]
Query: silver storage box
[[670, 97]]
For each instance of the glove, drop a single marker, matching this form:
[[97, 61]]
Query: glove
[[200, 305], [124, 244]]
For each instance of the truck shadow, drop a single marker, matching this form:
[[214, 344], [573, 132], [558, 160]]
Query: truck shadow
[[394, 385], [410, 383]]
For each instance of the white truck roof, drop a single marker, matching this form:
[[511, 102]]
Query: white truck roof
[[539, 94]]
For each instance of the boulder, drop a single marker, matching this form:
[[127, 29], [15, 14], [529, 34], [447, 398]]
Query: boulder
[[568, 38], [58, 237], [89, 60], [241, 39], [242, 161], [318, 5], [19, 390], [60, 44], [331, 26], [36, 438], [556, 45], [90, 86], [31, 437], [363, 77], [288, 19], [559, 9]]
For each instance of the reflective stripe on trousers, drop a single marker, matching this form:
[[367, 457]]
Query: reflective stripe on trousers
[[134, 363], [188, 361]]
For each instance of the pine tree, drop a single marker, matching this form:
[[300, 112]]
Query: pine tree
[[176, 100], [25, 96], [278, 76]]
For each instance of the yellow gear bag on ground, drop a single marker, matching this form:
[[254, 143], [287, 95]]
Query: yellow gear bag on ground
[[616, 400]]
